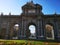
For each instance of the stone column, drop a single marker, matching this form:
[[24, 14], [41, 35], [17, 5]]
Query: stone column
[[38, 28], [56, 31], [20, 31], [24, 28], [7, 30], [41, 29]]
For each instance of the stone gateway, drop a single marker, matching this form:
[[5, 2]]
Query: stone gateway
[[47, 27]]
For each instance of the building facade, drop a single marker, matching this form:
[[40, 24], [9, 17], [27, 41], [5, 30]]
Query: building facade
[[47, 26]]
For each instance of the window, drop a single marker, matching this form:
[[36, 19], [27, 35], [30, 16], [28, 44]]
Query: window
[[31, 11]]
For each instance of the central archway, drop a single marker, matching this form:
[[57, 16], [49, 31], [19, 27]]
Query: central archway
[[32, 31]]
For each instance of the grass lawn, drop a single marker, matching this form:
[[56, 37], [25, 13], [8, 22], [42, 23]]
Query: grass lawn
[[26, 42]]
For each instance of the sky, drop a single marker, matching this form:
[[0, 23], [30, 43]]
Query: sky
[[32, 29], [14, 6]]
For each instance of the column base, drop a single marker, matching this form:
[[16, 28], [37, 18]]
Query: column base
[[22, 37], [41, 37]]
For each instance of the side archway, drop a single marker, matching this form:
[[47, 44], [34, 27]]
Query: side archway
[[49, 29], [14, 31]]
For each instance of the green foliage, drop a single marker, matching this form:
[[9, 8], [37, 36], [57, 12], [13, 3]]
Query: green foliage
[[26, 42]]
